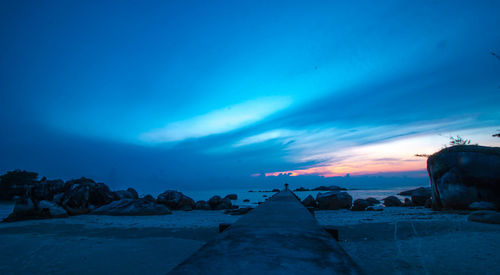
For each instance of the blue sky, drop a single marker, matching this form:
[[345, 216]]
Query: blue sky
[[197, 93]]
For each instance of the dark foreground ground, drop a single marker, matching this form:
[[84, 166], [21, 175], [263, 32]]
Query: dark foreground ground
[[394, 241]]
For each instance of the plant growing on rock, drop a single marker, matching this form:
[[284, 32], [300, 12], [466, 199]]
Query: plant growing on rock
[[458, 140]]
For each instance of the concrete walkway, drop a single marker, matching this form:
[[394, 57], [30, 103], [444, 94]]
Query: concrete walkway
[[278, 237]]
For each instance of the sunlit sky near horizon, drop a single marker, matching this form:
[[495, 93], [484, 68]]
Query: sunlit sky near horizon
[[194, 93]]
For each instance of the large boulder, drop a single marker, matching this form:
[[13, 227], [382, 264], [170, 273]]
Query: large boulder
[[334, 200], [50, 209], [130, 193], [491, 217], [224, 204], [84, 194], [309, 201], [175, 200], [214, 201], [202, 205], [132, 207], [392, 201], [360, 205], [27, 209], [464, 174]]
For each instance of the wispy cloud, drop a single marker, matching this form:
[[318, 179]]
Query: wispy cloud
[[218, 121]]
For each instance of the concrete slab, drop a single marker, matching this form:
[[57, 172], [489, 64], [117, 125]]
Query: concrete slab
[[278, 237]]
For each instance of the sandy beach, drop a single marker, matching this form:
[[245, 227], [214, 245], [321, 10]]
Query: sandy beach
[[394, 241]]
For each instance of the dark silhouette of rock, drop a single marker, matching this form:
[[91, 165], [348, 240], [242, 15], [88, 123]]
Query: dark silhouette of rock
[[275, 190], [334, 200], [27, 209], [16, 183], [461, 175], [239, 211], [232, 197], [392, 201], [130, 193], [301, 189], [202, 205], [482, 205], [428, 203], [149, 198], [360, 205], [175, 200], [214, 201], [491, 217], [407, 202], [47, 189], [410, 192], [309, 201], [132, 207], [224, 204], [246, 200], [264, 196], [372, 201], [84, 195]]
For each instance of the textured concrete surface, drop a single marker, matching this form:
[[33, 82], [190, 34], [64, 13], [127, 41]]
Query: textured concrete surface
[[278, 237]]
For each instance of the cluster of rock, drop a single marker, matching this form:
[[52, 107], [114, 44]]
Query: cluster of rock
[[56, 198]]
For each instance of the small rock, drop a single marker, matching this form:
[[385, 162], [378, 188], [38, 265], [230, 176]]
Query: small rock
[[224, 204], [239, 211], [246, 200], [482, 205], [491, 217]]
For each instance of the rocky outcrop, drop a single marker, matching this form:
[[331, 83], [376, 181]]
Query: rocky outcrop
[[392, 201], [309, 201], [27, 209], [132, 207], [334, 200], [47, 189], [84, 194], [462, 175], [175, 200], [214, 201], [130, 193], [491, 217], [360, 205]]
